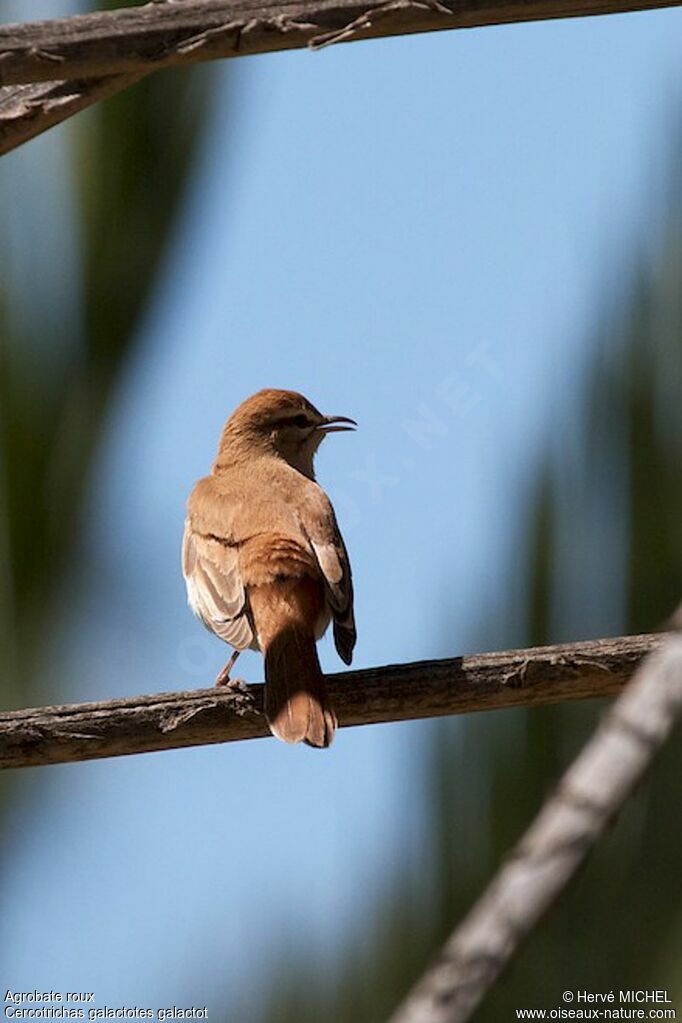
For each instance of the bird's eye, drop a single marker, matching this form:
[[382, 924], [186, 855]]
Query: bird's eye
[[301, 420]]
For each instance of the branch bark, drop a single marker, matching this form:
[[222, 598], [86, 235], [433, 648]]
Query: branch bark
[[29, 110], [142, 39], [70, 63], [587, 799], [542, 675]]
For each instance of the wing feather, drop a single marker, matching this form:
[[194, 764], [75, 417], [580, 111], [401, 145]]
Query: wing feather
[[332, 559], [215, 591]]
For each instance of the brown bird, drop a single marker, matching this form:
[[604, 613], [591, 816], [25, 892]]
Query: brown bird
[[264, 562]]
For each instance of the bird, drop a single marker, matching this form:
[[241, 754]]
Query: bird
[[264, 562]]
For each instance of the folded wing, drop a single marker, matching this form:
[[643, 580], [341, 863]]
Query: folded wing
[[215, 590], [332, 558]]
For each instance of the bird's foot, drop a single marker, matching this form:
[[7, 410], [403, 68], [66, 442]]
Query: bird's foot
[[236, 685], [224, 679]]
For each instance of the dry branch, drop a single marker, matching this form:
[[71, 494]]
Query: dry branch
[[142, 39], [542, 675], [52, 69], [29, 110], [587, 799]]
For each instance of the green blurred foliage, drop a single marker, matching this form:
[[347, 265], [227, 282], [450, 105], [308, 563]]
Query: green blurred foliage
[[127, 161], [601, 550]]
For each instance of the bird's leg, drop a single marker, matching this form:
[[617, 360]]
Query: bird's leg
[[224, 676]]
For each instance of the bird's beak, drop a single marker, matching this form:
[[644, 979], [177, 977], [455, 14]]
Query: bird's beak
[[332, 424]]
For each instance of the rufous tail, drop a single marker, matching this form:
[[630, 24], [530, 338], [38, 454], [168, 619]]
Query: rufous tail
[[297, 705], [296, 702]]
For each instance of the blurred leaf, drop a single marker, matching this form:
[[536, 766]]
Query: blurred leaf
[[130, 159]]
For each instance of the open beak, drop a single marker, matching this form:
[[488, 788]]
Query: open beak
[[333, 424]]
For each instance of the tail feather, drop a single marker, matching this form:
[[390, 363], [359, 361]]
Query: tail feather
[[296, 703]]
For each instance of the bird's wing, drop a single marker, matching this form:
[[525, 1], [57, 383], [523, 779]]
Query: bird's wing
[[215, 590], [330, 551]]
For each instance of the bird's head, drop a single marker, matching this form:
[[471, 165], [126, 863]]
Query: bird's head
[[281, 423]]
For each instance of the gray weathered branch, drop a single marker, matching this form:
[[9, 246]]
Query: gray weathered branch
[[79, 60], [576, 671], [29, 110], [138, 39], [587, 799]]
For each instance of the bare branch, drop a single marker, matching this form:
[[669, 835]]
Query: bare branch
[[142, 39], [587, 799], [79, 60], [576, 671], [29, 110]]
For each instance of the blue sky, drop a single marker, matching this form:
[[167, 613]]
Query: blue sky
[[418, 233]]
